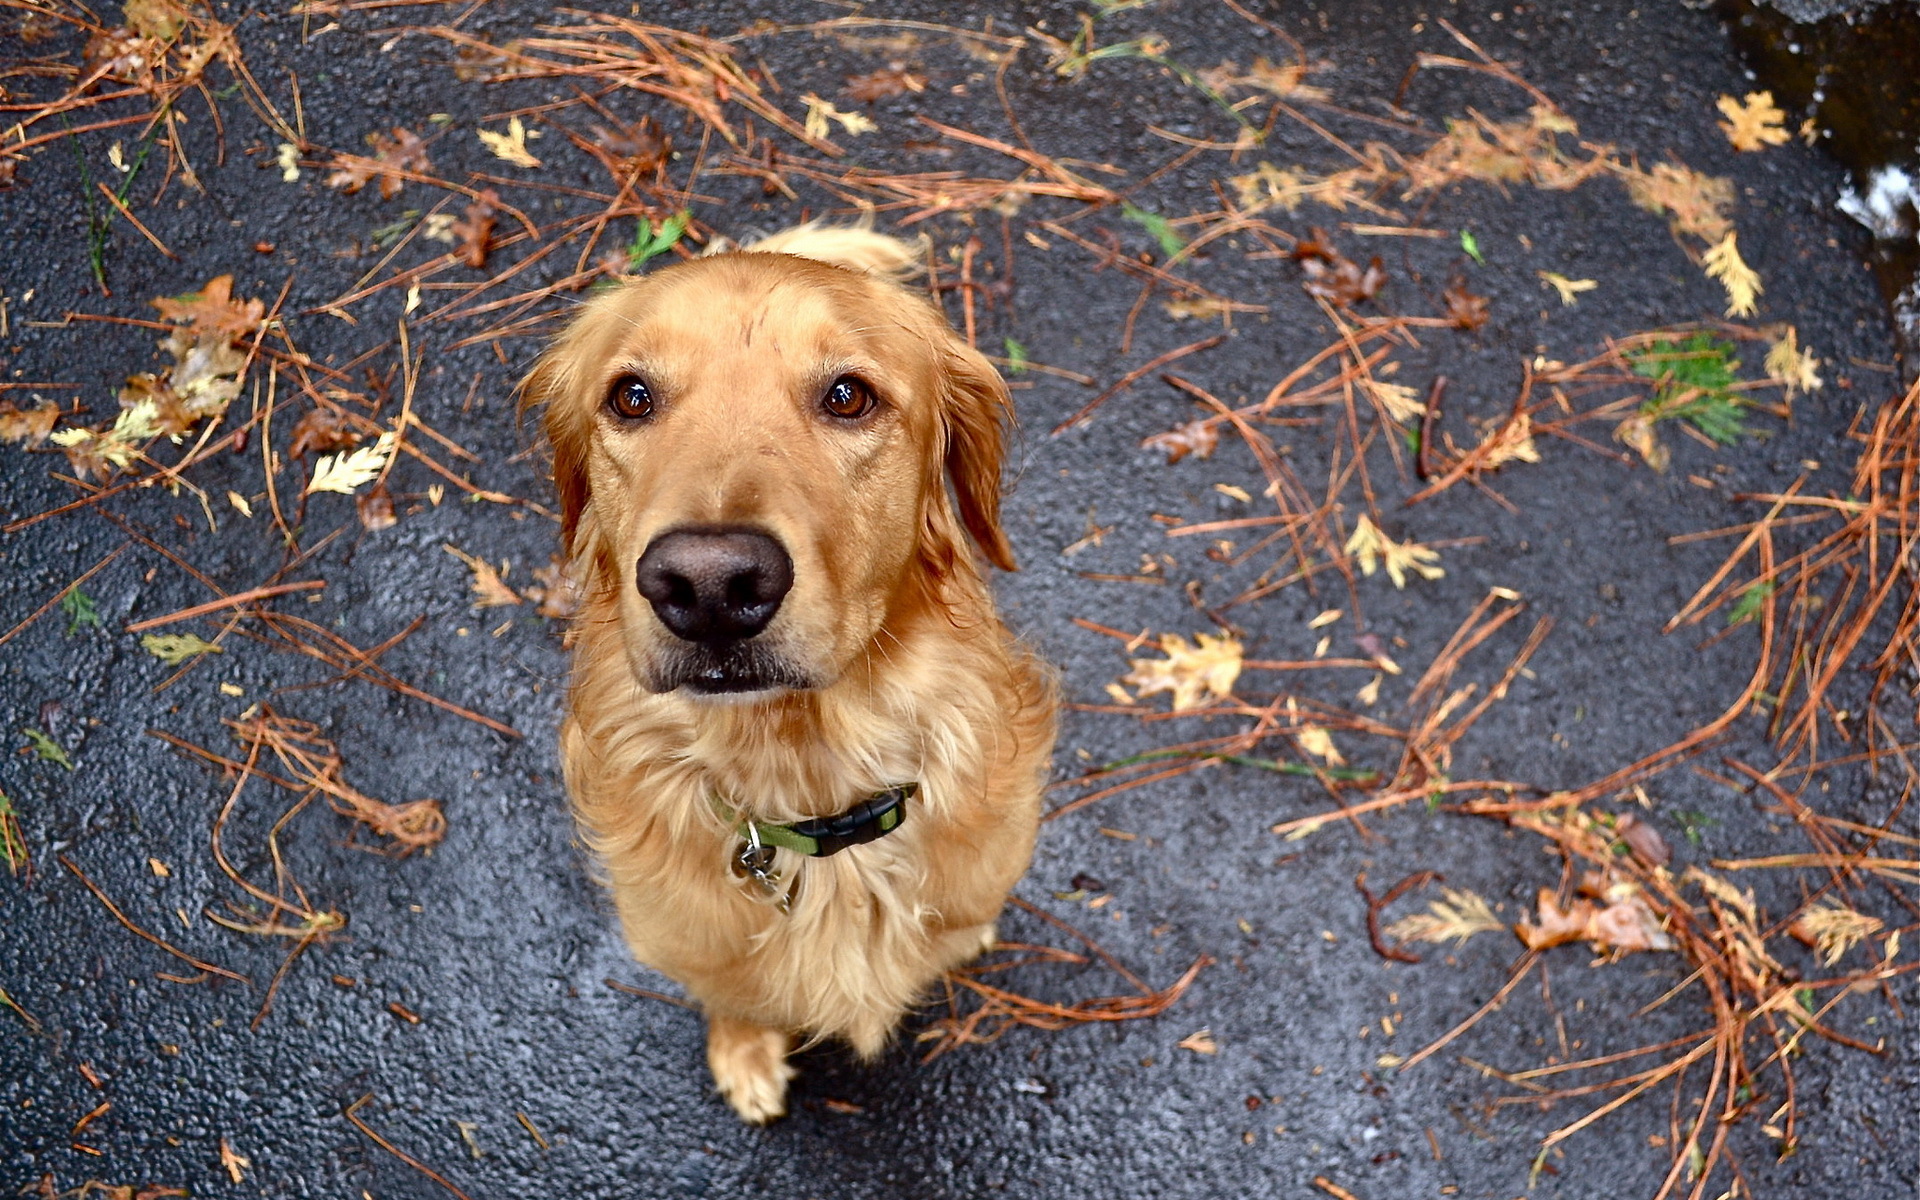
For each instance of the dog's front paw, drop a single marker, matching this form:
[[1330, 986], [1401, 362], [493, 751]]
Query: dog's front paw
[[749, 1064]]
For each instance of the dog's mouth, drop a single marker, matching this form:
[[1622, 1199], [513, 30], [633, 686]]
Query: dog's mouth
[[725, 669]]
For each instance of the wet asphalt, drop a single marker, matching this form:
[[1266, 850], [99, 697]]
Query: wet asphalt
[[498, 942]]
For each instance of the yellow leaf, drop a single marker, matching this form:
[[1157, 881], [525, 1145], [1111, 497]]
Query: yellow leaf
[[1569, 289], [1200, 1041], [1372, 547], [819, 112], [1753, 123], [343, 473], [1696, 204], [235, 1163], [176, 648], [1318, 742], [1723, 262], [1194, 674], [240, 504], [488, 590], [1400, 402], [1456, 918], [1834, 929], [511, 145], [1787, 363], [1510, 441]]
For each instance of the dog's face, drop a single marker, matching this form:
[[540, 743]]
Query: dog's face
[[750, 452]]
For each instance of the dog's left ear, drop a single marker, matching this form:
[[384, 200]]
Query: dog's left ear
[[975, 412]]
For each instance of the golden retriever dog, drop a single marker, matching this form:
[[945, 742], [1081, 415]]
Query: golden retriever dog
[[803, 747]]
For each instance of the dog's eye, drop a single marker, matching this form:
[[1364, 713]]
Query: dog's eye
[[630, 398], [848, 399]]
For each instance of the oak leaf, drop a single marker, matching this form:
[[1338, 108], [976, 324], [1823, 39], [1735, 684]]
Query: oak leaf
[[1753, 123]]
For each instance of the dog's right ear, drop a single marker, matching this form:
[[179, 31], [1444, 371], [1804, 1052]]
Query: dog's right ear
[[569, 427]]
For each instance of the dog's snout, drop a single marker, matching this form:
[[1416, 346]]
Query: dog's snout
[[715, 585]]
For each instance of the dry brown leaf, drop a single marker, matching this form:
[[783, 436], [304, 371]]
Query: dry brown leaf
[[1643, 839], [554, 594], [1193, 673], [1466, 310], [488, 590], [321, 431], [376, 510], [1624, 923], [27, 426], [404, 150], [1332, 276], [1753, 123], [475, 229], [213, 310], [1197, 437], [889, 81]]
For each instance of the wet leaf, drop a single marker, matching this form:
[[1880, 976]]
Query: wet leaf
[[1197, 437], [890, 81], [1457, 917], [213, 310], [176, 648], [375, 510], [1723, 262], [1569, 289], [344, 473], [1195, 674], [1373, 547], [1644, 840], [488, 590], [1624, 923], [1753, 123], [321, 431], [46, 749], [1788, 364], [511, 146]]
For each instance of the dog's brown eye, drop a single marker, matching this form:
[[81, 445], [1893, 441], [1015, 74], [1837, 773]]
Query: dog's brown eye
[[630, 398], [848, 399]]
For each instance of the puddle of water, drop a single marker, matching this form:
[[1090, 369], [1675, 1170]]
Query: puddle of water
[[1857, 77]]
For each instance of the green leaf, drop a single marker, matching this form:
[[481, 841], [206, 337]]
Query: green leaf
[[1805, 997], [1694, 383], [1745, 608], [1471, 245], [387, 235], [13, 844], [47, 749], [1171, 243], [649, 243], [1016, 357], [176, 648], [80, 610]]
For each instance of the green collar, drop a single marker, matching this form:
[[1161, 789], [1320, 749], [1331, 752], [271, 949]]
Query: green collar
[[871, 819]]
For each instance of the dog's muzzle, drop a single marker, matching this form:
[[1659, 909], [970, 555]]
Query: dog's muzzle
[[716, 588]]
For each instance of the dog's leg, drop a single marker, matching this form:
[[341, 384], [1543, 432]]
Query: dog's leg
[[749, 1064]]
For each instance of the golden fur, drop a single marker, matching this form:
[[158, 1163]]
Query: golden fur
[[904, 671]]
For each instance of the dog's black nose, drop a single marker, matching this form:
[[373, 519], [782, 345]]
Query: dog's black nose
[[715, 585]]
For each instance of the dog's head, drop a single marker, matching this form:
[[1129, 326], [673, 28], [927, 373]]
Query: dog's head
[[753, 452]]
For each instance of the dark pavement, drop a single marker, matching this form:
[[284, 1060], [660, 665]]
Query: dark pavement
[[498, 941]]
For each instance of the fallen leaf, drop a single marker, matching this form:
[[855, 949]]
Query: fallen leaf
[[403, 151], [1788, 364], [1695, 204], [1569, 289], [1753, 123], [1200, 1041], [820, 112], [511, 146], [343, 473], [554, 595], [1624, 923], [1373, 547], [1193, 673], [375, 510], [1332, 276], [28, 426], [1637, 431], [1832, 929], [1644, 840], [1455, 918], [1464, 309], [1197, 437], [1509, 441], [235, 1163], [1204, 308], [46, 749], [885, 83], [1723, 262], [321, 431], [1401, 403], [213, 309], [176, 648], [475, 229], [1315, 740], [100, 452], [488, 590]]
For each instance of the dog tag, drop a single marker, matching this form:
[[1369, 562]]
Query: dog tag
[[756, 860]]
